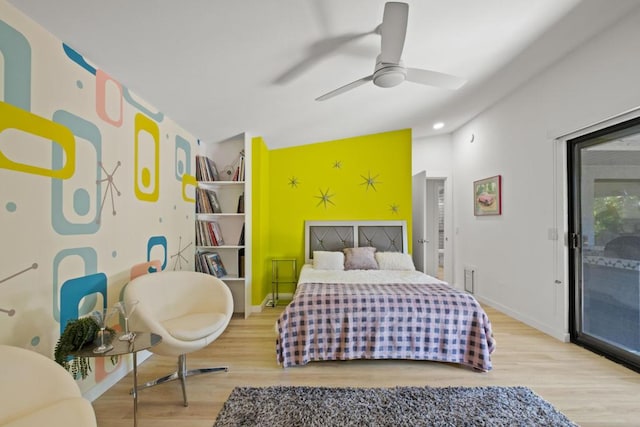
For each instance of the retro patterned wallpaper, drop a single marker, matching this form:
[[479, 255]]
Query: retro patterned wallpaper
[[96, 188]]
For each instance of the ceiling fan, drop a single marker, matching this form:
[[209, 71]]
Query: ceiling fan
[[390, 70]]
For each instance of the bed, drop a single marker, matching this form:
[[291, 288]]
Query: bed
[[386, 311]]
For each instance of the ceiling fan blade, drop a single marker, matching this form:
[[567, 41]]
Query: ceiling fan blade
[[393, 31], [434, 78], [345, 88]]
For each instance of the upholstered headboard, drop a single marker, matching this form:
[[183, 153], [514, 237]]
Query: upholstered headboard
[[386, 236]]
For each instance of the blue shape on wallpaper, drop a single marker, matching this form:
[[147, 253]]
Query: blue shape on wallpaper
[[74, 290], [81, 201], [78, 59], [35, 341], [16, 50], [182, 157], [157, 241], [79, 84], [81, 197], [11, 207], [158, 117], [90, 260]]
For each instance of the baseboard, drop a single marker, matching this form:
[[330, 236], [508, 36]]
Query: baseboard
[[559, 335], [266, 302], [262, 306], [115, 376]]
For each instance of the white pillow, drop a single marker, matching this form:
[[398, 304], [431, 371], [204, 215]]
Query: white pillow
[[325, 260], [394, 261]]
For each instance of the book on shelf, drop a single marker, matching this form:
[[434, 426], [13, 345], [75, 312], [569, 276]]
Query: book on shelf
[[203, 205], [210, 263], [198, 263], [207, 201], [213, 200], [241, 239], [241, 203], [214, 262], [201, 234], [238, 173], [241, 263], [214, 234], [208, 233], [206, 169], [217, 232]]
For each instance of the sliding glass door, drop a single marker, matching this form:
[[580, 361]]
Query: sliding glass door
[[604, 241]]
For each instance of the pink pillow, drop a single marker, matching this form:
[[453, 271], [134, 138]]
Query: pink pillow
[[360, 258]]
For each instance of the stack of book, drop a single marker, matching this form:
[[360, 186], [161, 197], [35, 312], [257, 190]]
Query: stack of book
[[210, 263], [207, 201], [206, 169], [208, 233]]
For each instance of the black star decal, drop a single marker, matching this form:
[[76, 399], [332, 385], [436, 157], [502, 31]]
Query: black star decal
[[293, 182]]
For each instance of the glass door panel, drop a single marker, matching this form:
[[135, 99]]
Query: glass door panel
[[605, 241]]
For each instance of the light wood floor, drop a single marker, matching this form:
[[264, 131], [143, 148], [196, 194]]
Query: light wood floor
[[589, 389]]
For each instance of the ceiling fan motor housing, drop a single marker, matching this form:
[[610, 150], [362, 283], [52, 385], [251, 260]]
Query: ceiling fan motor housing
[[389, 75]]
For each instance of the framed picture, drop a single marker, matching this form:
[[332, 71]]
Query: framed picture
[[487, 196]]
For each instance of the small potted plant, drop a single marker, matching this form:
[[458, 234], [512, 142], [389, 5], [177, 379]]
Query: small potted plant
[[77, 335]]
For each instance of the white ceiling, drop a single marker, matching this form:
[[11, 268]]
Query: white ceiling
[[219, 68]]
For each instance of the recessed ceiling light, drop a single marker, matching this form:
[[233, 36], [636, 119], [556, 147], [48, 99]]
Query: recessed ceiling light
[[438, 125]]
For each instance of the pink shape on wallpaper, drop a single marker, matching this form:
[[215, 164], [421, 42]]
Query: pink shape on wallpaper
[[109, 99], [145, 268]]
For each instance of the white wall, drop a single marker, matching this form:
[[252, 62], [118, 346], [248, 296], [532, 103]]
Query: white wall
[[517, 260], [433, 155]]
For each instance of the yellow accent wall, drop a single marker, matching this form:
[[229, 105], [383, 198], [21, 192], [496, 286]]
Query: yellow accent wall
[[260, 220], [361, 178]]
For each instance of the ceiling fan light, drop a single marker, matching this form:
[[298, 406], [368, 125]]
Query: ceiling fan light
[[389, 76]]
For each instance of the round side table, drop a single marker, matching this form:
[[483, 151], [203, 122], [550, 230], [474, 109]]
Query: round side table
[[141, 341]]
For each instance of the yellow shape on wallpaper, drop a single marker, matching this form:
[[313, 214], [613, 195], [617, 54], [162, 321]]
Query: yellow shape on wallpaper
[[12, 117], [146, 176], [186, 181]]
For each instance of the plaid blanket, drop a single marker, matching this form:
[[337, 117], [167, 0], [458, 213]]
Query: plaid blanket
[[384, 321]]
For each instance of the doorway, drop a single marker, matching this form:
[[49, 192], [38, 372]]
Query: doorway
[[604, 241], [430, 237]]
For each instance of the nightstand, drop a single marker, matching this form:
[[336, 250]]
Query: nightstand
[[284, 271]]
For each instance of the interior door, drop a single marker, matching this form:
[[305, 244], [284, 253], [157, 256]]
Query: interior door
[[432, 231], [419, 220]]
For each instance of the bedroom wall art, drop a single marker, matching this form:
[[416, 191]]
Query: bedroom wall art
[[93, 189], [487, 196]]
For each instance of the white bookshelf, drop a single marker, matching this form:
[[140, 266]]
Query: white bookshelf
[[226, 157]]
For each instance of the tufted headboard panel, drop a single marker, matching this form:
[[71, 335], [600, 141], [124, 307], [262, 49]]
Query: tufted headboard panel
[[386, 236]]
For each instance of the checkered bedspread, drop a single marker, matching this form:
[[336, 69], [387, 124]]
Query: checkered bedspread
[[384, 321]]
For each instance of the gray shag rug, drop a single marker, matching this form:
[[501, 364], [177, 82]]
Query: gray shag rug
[[399, 406]]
